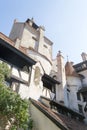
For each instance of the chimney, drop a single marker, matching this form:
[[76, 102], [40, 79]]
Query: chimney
[[61, 66], [84, 56], [15, 20]]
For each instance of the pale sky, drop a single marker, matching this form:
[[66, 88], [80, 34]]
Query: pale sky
[[65, 22]]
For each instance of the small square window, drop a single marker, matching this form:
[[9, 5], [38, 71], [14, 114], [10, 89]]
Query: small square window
[[45, 46]]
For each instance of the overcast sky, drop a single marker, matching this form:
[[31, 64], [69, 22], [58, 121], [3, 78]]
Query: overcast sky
[[65, 22]]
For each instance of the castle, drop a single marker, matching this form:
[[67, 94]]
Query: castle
[[63, 83]]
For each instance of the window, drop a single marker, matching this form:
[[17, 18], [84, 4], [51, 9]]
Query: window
[[80, 108], [25, 69], [84, 94], [36, 43], [78, 96], [55, 77], [68, 96], [36, 46], [45, 46], [85, 108], [68, 93], [37, 76], [53, 88]]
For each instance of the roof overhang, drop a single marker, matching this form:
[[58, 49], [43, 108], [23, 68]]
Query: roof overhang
[[81, 66], [67, 110], [82, 90], [11, 55], [48, 81]]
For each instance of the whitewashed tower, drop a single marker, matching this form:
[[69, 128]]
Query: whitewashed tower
[[61, 78]]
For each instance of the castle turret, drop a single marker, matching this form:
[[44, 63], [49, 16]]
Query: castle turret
[[31, 36]]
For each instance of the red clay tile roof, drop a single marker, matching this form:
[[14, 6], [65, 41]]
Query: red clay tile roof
[[7, 39], [62, 121], [70, 71], [23, 49], [72, 124]]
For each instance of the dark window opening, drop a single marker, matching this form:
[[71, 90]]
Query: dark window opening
[[78, 96], [80, 108], [84, 99], [53, 89], [55, 77], [68, 90], [34, 38], [84, 94], [45, 46]]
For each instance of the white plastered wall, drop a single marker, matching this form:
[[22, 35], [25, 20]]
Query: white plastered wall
[[41, 121], [74, 83]]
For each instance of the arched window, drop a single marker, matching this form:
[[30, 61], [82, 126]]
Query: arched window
[[37, 75]]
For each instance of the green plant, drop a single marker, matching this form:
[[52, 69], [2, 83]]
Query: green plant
[[14, 109], [4, 69]]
